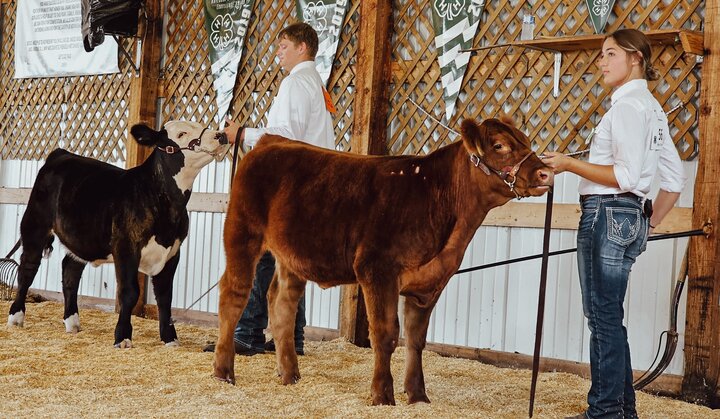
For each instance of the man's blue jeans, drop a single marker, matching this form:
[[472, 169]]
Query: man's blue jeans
[[250, 330], [613, 232]]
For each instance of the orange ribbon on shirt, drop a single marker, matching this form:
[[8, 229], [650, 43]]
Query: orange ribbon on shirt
[[328, 101]]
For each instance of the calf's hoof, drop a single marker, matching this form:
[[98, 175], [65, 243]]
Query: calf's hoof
[[383, 399], [172, 344], [416, 398], [125, 344], [290, 378], [225, 375], [72, 324], [17, 319]]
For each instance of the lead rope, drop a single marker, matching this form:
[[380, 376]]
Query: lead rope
[[235, 154], [541, 299]]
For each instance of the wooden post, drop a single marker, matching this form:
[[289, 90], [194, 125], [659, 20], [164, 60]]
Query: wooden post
[[702, 330], [369, 134], [143, 103]]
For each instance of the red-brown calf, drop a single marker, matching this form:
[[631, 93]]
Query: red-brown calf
[[395, 225]]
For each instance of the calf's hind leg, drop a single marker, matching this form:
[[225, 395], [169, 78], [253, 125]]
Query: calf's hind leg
[[71, 273], [381, 302], [284, 294], [243, 250], [36, 236]]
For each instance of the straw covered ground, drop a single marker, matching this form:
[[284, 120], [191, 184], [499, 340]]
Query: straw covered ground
[[46, 372]]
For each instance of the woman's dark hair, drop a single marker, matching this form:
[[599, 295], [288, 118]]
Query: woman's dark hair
[[301, 32], [633, 41]]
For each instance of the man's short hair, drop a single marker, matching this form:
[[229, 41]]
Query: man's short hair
[[301, 32]]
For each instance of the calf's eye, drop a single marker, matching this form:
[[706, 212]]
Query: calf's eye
[[498, 146]]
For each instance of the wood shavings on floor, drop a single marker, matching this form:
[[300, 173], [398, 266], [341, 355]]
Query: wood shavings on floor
[[47, 372]]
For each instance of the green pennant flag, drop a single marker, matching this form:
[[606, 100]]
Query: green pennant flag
[[455, 23], [226, 23], [599, 12], [326, 17]]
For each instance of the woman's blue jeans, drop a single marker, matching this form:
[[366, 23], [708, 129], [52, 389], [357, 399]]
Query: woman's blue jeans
[[613, 232]]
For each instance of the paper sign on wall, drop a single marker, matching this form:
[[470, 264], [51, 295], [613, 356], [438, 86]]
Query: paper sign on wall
[[48, 42]]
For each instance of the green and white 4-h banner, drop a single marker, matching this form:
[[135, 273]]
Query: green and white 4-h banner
[[599, 11], [326, 17], [455, 23], [226, 22]]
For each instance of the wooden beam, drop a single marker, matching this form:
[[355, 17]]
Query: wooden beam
[[567, 217], [143, 101], [656, 37], [369, 134], [692, 42], [144, 87], [512, 214], [702, 330], [372, 81]]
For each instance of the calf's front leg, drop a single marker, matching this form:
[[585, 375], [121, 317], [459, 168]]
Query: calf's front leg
[[163, 288], [417, 319], [126, 272]]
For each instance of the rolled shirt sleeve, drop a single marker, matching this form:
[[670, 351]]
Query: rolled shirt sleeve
[[670, 168], [628, 133]]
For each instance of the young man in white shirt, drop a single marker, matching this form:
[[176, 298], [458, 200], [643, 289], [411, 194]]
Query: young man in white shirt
[[301, 111]]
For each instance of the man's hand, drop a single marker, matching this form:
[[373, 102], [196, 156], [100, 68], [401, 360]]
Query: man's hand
[[231, 130]]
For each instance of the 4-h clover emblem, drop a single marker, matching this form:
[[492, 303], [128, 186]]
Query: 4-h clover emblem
[[449, 9], [315, 14], [221, 31], [601, 7]]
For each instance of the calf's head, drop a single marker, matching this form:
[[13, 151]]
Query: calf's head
[[186, 147], [197, 144], [501, 151]]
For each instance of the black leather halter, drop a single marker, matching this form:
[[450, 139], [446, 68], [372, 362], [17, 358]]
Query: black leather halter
[[192, 145]]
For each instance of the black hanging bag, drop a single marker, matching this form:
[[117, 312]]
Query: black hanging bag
[[114, 17]]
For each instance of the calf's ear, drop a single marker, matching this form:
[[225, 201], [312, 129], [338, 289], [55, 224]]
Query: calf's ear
[[507, 120], [471, 133], [144, 135]]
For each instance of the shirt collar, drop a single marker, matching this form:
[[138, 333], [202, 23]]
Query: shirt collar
[[302, 65], [626, 88]]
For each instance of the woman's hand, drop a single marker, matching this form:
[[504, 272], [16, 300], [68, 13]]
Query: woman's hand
[[557, 161]]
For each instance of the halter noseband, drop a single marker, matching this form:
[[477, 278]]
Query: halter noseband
[[503, 174], [194, 143]]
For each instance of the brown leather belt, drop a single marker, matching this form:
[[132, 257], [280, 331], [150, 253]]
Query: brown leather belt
[[612, 195]]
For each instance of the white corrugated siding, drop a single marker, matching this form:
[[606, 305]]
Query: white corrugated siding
[[494, 308]]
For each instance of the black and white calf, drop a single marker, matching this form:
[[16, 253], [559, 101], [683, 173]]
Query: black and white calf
[[134, 218]]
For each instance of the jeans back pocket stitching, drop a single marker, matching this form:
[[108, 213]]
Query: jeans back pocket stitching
[[614, 230]]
